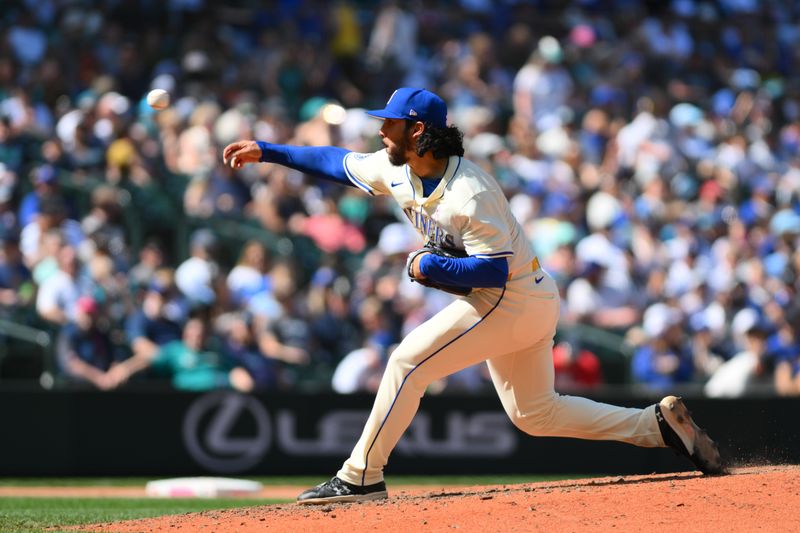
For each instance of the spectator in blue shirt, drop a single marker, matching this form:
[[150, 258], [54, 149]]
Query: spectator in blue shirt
[[664, 359], [45, 182], [85, 352], [239, 347], [159, 319]]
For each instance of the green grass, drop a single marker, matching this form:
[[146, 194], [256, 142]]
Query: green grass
[[283, 480], [33, 515]]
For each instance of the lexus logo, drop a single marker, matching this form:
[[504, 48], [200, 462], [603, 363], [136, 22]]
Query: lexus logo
[[227, 432]]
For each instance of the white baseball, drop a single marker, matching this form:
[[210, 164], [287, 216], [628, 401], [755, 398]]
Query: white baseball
[[158, 99]]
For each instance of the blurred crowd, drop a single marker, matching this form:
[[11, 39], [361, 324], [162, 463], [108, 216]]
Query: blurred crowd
[[650, 150]]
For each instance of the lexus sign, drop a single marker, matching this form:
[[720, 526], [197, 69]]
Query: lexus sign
[[227, 432], [208, 432]]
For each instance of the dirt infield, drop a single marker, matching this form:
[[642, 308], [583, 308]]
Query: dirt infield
[[749, 499]]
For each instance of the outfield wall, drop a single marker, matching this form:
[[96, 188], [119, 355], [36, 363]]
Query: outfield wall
[[162, 434]]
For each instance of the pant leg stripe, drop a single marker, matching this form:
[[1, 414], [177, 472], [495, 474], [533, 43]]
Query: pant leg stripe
[[366, 459]]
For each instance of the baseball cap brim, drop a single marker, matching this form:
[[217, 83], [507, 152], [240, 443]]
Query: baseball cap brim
[[383, 113]]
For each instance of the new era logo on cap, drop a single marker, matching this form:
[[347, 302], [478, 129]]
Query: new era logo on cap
[[414, 104]]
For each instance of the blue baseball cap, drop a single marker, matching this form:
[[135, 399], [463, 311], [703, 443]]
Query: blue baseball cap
[[414, 104]]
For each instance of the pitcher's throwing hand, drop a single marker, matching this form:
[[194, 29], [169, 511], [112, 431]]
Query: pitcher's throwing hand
[[241, 152]]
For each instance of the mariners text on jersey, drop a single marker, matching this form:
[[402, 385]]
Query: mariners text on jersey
[[429, 229]]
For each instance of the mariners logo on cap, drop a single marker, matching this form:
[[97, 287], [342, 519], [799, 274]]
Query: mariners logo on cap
[[412, 113]]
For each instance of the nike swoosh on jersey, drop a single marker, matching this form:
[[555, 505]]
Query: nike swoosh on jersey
[[538, 280], [393, 184]]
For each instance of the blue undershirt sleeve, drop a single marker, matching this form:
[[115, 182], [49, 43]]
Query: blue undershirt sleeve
[[325, 162], [466, 271]]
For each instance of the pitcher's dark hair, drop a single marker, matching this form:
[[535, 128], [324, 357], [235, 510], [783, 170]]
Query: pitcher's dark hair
[[441, 142]]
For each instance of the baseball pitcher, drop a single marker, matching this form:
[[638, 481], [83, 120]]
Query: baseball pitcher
[[506, 313]]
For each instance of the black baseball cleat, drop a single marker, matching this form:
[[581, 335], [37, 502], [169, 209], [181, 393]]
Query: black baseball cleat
[[684, 436], [336, 490]]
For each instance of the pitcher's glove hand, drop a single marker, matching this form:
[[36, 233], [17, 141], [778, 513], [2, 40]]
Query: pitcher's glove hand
[[443, 252]]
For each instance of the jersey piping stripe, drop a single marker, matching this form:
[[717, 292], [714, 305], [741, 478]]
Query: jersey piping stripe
[[413, 190], [454, 172], [444, 185], [358, 183], [366, 458], [495, 254]]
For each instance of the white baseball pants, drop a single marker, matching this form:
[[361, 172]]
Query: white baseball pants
[[512, 329]]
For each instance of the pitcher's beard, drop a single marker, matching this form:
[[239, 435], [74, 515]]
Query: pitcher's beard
[[397, 155]]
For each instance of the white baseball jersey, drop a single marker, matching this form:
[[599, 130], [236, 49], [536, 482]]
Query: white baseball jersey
[[467, 210], [512, 328]]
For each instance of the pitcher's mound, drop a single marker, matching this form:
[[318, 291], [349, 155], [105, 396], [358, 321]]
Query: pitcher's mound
[[748, 499]]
